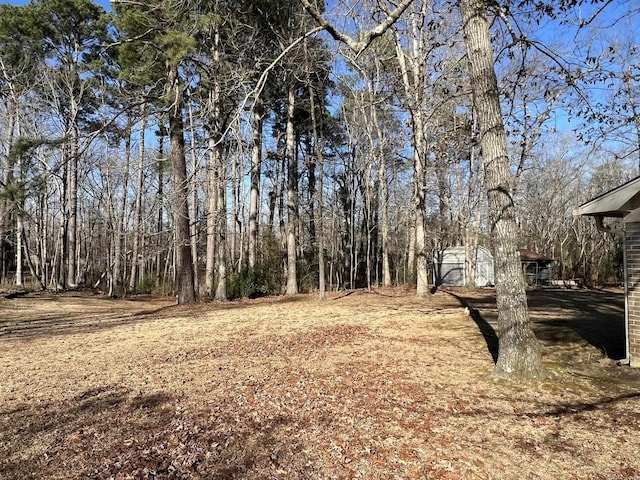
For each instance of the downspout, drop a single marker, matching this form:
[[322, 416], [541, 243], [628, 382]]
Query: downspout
[[621, 233]]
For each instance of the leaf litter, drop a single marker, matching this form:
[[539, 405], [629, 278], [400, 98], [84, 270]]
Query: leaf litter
[[373, 385]]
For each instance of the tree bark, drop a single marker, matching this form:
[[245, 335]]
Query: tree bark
[[383, 203], [214, 161], [292, 198], [193, 191], [221, 223], [212, 212], [119, 219], [184, 263], [254, 201], [161, 133], [137, 215], [414, 88], [7, 176], [319, 146], [519, 350], [72, 205]]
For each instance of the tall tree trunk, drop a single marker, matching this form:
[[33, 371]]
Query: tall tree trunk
[[184, 263], [7, 175], [119, 220], [519, 354], [42, 229], [60, 261], [383, 202], [19, 258], [72, 205], [194, 199], [221, 288], [137, 215], [214, 162], [292, 198], [234, 260], [19, 221], [256, 162], [368, 221], [159, 199], [212, 217], [414, 88], [319, 147], [422, 277]]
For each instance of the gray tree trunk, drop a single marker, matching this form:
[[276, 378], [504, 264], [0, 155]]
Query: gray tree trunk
[[137, 215], [254, 200], [214, 162], [7, 176], [119, 219], [318, 143], [519, 353], [414, 88], [292, 198], [72, 206], [184, 263], [221, 223], [383, 203], [193, 191], [212, 212]]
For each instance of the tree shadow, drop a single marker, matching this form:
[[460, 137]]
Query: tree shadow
[[488, 332], [568, 316], [52, 323], [559, 317], [579, 407]]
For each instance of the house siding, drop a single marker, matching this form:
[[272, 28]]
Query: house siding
[[633, 293]]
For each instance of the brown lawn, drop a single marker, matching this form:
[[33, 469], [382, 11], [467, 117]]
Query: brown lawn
[[371, 385]]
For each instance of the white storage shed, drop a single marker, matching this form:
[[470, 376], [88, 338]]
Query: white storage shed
[[449, 266]]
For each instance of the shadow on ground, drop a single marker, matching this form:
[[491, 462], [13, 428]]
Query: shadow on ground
[[558, 316]]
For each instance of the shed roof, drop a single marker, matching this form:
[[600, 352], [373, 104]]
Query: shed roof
[[618, 202], [531, 256]]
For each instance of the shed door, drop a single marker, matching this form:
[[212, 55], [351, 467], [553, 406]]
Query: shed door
[[483, 277]]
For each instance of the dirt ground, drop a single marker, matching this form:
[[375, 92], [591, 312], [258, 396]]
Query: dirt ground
[[367, 385]]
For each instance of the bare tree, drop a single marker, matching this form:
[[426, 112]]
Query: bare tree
[[520, 353], [137, 213], [519, 349], [412, 66], [292, 197]]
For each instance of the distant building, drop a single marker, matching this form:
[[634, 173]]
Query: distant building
[[536, 267], [449, 267]]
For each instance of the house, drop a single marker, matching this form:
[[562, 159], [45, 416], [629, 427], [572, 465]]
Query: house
[[624, 202], [449, 267]]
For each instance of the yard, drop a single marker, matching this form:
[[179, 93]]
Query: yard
[[372, 385]]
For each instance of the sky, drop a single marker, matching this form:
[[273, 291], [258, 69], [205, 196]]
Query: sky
[[103, 3]]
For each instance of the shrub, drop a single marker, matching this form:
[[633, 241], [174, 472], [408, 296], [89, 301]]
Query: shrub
[[240, 285], [147, 284]]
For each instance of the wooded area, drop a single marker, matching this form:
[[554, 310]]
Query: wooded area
[[232, 149]]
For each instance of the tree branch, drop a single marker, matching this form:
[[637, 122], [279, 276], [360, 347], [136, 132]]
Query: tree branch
[[358, 46]]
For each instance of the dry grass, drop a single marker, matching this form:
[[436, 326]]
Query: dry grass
[[374, 385]]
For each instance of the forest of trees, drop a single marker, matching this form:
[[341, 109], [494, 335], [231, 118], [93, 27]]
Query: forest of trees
[[232, 148]]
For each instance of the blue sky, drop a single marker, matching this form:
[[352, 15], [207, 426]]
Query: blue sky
[[103, 3]]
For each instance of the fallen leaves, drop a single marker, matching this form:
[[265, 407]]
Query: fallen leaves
[[371, 386]]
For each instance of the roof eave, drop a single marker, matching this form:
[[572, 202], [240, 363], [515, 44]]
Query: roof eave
[[618, 202]]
